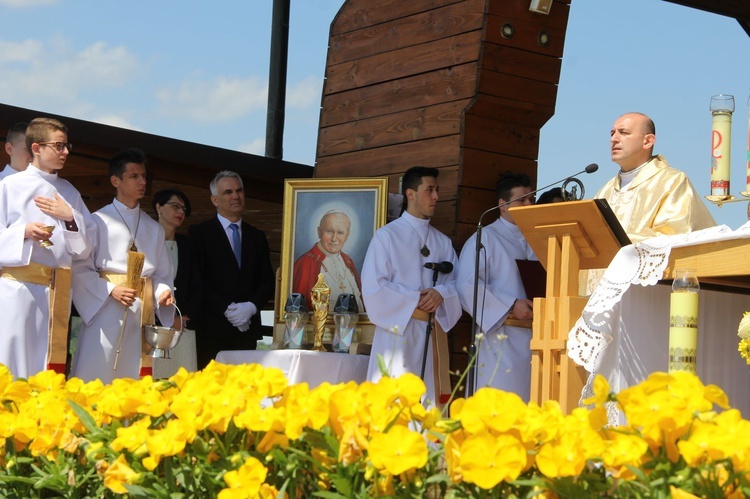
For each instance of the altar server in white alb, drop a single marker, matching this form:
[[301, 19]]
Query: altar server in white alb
[[38, 208], [15, 148], [99, 293], [504, 352], [398, 290]]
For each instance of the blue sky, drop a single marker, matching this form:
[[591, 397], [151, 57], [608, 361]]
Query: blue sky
[[198, 71]]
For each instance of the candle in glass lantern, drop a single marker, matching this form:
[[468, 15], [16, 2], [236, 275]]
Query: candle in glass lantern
[[683, 321], [722, 107]]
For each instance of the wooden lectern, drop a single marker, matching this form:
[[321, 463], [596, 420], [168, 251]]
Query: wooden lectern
[[574, 236]]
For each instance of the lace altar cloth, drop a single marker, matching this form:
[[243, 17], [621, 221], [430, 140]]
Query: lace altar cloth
[[642, 263]]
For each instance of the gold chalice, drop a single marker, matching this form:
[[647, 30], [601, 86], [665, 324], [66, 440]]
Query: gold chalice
[[47, 243]]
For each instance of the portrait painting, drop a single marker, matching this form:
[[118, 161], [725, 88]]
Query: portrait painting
[[328, 225]]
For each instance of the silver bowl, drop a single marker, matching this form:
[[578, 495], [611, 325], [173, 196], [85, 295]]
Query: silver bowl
[[161, 339]]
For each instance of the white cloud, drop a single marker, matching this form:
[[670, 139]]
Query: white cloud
[[216, 100], [114, 120], [25, 51], [50, 74], [224, 98], [256, 146], [26, 3], [304, 94], [101, 65]]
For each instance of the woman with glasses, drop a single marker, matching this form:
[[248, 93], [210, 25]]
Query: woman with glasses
[[172, 206]]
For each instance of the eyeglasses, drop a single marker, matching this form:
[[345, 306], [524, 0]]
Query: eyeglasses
[[59, 146], [177, 206]]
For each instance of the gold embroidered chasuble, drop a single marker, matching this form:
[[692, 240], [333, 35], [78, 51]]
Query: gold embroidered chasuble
[[659, 200]]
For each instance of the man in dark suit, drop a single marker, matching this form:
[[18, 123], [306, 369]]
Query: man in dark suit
[[234, 277]]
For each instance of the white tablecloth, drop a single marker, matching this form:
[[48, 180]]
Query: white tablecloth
[[641, 344], [304, 365], [623, 332]]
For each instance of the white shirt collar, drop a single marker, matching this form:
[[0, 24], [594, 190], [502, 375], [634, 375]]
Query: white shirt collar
[[421, 225], [225, 223], [627, 177], [121, 207]]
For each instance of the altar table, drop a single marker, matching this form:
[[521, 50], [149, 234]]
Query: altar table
[[642, 341], [307, 366], [623, 331]]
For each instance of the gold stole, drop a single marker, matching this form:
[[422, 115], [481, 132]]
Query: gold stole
[[145, 292], [58, 281]]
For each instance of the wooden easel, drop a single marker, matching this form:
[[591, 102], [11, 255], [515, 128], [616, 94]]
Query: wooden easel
[[567, 237]]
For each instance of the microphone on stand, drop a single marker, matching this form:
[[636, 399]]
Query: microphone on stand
[[437, 268], [442, 267], [471, 374]]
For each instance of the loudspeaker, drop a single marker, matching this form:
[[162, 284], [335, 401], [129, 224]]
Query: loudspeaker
[[540, 6]]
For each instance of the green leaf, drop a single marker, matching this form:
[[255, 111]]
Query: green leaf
[[343, 484], [85, 417], [138, 491]]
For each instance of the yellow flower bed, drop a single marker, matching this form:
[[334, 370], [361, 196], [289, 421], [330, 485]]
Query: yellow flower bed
[[243, 431]]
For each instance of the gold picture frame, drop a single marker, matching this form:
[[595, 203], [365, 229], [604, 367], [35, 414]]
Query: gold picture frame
[[306, 202]]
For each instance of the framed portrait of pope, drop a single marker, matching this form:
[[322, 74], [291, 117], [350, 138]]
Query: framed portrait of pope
[[327, 227]]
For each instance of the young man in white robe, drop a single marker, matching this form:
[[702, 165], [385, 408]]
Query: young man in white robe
[[35, 275], [398, 290], [503, 352], [15, 148], [98, 291]]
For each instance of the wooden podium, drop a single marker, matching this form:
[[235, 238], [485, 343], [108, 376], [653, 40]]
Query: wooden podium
[[574, 236]]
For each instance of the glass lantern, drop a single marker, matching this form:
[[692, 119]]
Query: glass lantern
[[295, 316], [345, 317]]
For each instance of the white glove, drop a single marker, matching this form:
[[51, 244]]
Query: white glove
[[239, 314]]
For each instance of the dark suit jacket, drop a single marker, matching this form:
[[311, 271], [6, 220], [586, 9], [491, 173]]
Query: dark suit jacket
[[218, 282]]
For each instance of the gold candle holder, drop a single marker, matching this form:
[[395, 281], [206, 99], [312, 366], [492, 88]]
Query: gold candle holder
[[47, 243]]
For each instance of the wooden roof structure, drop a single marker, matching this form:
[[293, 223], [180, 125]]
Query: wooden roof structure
[[738, 9]]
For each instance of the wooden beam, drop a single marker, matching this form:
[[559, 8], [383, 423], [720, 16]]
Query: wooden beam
[[381, 161], [397, 128], [445, 85], [403, 62], [526, 34], [356, 14], [442, 22], [503, 138], [522, 63]]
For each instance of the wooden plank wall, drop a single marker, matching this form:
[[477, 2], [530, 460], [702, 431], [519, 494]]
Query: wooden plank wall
[[435, 83], [398, 78]]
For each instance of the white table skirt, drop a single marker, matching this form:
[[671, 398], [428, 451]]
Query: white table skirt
[[642, 341], [304, 365]]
